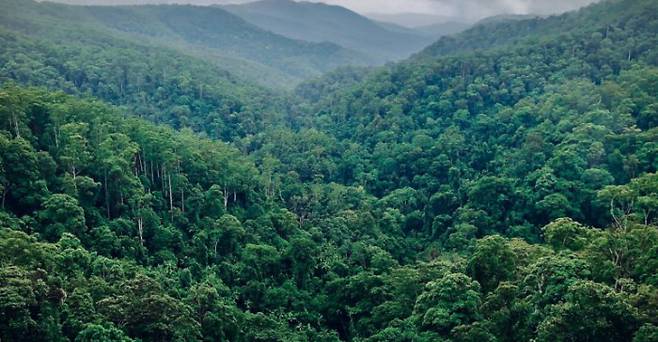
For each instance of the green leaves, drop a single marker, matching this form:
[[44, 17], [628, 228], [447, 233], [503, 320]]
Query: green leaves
[[590, 311], [492, 261], [106, 332], [61, 214], [501, 195], [448, 302], [146, 311], [566, 233], [636, 201]]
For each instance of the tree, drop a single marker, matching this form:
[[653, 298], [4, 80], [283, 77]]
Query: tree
[[107, 332], [646, 187], [74, 150], [231, 236], [554, 206], [494, 195], [567, 233], [17, 298], [646, 333], [115, 153], [26, 302], [23, 188], [640, 195], [591, 311], [621, 200], [301, 252], [142, 307], [212, 304], [447, 303], [61, 213], [492, 262]]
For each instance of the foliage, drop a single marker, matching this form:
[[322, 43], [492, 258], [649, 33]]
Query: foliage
[[500, 195]]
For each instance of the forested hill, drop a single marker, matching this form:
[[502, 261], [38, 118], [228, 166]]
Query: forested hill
[[606, 17], [504, 193], [162, 84], [608, 22], [208, 32]]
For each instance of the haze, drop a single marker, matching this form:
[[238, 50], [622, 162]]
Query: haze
[[467, 9]]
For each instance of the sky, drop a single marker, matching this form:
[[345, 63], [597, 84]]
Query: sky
[[462, 8], [470, 9]]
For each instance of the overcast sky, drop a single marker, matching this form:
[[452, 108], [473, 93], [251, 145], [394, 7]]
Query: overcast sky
[[462, 8], [473, 9]]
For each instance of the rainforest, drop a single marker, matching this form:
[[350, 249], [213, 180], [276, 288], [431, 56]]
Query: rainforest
[[177, 172]]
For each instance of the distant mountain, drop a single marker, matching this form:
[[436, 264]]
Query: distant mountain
[[411, 20], [214, 28], [317, 22], [505, 18], [428, 25], [208, 32], [136, 2], [443, 29], [397, 28]]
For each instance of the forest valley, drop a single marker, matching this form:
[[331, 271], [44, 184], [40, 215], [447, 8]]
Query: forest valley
[[500, 185]]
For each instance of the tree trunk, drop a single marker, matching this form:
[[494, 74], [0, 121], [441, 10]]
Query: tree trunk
[[152, 178], [18, 131], [107, 194], [171, 197], [225, 194], [74, 173], [56, 138], [161, 175], [182, 199], [140, 229]]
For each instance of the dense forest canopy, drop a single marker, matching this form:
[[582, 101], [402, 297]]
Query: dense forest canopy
[[500, 185]]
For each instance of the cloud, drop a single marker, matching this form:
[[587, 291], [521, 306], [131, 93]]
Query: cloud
[[473, 9], [470, 9], [492, 7]]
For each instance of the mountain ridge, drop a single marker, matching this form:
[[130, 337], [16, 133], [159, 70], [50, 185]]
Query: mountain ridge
[[321, 22], [192, 29]]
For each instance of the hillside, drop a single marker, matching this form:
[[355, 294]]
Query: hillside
[[318, 22], [207, 32], [411, 20], [443, 29], [164, 86], [500, 186], [499, 31]]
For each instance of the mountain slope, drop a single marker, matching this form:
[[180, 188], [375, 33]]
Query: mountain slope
[[443, 29], [497, 32], [203, 31], [450, 85], [153, 81], [318, 22], [411, 20]]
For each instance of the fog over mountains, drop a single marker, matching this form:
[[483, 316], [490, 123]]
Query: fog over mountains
[[466, 9], [288, 40], [315, 22]]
